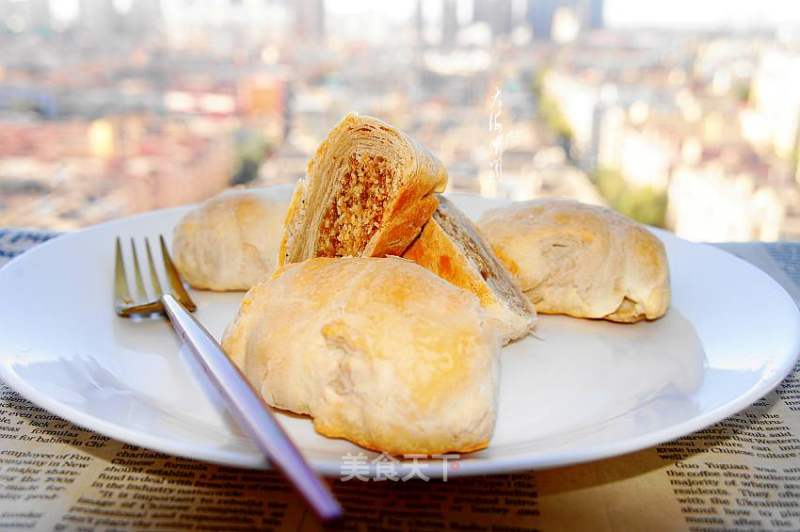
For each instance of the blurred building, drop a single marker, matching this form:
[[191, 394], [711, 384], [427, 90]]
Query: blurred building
[[540, 15], [498, 14], [144, 16], [40, 15], [418, 20], [450, 23], [309, 19], [594, 14], [708, 202], [567, 25], [774, 119], [98, 18]]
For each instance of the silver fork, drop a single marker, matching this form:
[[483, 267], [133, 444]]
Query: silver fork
[[246, 404]]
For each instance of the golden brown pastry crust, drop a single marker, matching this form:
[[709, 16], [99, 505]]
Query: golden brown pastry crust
[[451, 247], [378, 351], [368, 192], [581, 260], [231, 241]]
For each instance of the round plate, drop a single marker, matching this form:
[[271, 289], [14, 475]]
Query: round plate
[[579, 390]]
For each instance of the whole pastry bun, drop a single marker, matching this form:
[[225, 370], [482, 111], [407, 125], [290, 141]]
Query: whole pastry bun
[[581, 260], [231, 241], [379, 351]]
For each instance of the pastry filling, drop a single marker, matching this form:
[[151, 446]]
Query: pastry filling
[[479, 255], [357, 207]]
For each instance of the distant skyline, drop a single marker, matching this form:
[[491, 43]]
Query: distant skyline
[[703, 13], [630, 13], [689, 14]]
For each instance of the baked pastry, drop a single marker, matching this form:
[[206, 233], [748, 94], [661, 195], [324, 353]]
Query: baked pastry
[[368, 193], [581, 260], [231, 241], [378, 351], [451, 247]]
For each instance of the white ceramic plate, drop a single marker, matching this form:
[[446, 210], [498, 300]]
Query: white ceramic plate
[[582, 390]]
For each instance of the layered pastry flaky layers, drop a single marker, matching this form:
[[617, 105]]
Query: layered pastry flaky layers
[[452, 247], [368, 192]]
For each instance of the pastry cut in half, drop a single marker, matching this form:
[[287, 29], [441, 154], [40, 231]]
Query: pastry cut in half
[[451, 246], [367, 193]]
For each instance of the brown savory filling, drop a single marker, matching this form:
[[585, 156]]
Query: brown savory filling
[[357, 208]]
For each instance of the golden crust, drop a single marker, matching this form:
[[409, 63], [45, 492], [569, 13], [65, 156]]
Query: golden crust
[[378, 351], [581, 260], [368, 184], [231, 241], [437, 252], [292, 214], [402, 226], [446, 256]]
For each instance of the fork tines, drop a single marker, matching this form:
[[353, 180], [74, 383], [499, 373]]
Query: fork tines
[[125, 304]]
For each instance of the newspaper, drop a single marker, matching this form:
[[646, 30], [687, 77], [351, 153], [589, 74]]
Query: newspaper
[[741, 474]]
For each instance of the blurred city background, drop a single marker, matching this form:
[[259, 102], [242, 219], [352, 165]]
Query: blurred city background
[[682, 114]]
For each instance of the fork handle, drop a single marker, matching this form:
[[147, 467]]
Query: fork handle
[[251, 412]]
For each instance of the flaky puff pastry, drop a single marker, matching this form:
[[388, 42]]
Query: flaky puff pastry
[[231, 242], [368, 192], [451, 247], [581, 260], [378, 351]]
